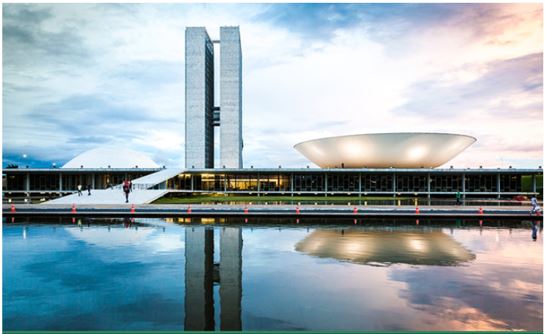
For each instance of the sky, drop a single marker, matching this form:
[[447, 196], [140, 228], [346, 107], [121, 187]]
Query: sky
[[81, 76]]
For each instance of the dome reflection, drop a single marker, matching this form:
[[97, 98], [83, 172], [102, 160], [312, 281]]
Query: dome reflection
[[430, 247]]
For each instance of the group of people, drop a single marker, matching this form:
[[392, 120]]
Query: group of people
[[80, 190], [127, 187]]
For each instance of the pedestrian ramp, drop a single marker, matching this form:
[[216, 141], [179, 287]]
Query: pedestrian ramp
[[111, 196], [157, 179], [142, 192]]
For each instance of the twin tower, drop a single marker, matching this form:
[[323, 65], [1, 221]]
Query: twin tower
[[202, 112]]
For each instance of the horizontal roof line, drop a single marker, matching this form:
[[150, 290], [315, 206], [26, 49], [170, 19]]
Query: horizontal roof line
[[248, 170]]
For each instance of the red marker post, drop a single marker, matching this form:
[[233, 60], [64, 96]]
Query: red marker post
[[12, 208], [73, 208]]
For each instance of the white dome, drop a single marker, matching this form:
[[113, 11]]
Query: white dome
[[114, 157]]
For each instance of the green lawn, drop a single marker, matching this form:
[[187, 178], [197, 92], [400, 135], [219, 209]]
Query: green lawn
[[263, 199]]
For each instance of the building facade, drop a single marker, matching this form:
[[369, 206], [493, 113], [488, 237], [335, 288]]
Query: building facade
[[202, 113], [231, 136], [391, 182], [199, 128]]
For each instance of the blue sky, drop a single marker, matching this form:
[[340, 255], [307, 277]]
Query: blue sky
[[79, 76]]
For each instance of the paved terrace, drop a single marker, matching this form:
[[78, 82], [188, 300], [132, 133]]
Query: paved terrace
[[141, 193], [243, 210], [108, 197]]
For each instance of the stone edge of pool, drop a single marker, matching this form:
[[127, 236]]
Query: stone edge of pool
[[201, 210]]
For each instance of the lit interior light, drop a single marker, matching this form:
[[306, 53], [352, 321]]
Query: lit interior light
[[353, 248], [353, 148], [417, 245], [417, 152]]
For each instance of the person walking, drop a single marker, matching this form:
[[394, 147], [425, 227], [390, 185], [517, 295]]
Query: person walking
[[79, 189], [88, 190], [535, 207], [535, 230], [126, 190]]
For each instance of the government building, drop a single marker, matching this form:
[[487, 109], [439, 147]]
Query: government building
[[360, 165]]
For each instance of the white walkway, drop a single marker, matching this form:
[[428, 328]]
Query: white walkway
[[141, 193], [110, 196], [150, 180]]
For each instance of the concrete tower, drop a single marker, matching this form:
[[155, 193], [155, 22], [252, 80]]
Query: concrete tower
[[201, 113], [231, 134], [199, 99]]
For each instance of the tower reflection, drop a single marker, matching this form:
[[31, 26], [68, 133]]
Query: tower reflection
[[201, 273]]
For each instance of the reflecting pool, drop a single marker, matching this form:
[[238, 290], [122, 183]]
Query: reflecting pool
[[271, 274]]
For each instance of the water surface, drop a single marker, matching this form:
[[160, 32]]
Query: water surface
[[158, 274]]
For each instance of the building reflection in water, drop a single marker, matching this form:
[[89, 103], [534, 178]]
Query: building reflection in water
[[202, 273], [412, 246]]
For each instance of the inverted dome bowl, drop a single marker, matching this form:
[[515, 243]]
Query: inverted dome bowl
[[384, 150]]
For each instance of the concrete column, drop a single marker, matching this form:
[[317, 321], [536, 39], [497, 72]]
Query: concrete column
[[428, 185], [291, 184], [534, 183], [325, 184], [464, 186], [191, 182], [359, 184], [60, 182], [27, 182], [394, 185], [92, 180], [498, 185], [258, 185], [231, 249], [198, 299]]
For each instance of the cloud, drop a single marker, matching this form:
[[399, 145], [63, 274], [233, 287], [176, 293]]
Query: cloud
[[499, 90]]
